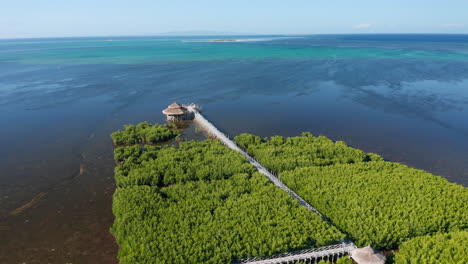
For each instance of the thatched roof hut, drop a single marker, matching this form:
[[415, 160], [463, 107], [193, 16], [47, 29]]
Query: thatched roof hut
[[176, 112], [175, 109], [367, 255]]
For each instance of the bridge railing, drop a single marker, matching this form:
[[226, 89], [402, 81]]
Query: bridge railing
[[231, 144], [341, 249], [331, 252]]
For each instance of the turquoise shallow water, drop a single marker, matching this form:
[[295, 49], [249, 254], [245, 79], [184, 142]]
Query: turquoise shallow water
[[420, 77], [151, 50], [402, 96]]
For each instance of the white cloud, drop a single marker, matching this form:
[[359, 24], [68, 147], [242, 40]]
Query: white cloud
[[363, 26]]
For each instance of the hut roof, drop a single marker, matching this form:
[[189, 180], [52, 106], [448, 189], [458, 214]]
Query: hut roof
[[367, 255], [174, 105], [175, 109]]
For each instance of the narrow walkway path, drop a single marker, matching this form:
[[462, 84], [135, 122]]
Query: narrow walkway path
[[327, 252], [331, 253], [231, 144]]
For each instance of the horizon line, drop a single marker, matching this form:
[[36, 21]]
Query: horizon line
[[227, 35]]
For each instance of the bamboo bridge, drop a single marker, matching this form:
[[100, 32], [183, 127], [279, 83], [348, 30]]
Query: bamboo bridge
[[327, 253]]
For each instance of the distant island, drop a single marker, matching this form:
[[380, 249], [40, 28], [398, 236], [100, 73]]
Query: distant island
[[224, 40], [202, 33]]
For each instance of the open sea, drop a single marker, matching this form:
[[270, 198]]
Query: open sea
[[404, 97]]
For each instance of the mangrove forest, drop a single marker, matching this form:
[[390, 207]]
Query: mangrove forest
[[372, 201], [202, 202], [145, 133]]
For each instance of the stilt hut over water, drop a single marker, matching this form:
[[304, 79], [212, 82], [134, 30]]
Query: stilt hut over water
[[177, 112]]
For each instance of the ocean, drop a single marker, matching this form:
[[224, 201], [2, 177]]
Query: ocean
[[404, 97]]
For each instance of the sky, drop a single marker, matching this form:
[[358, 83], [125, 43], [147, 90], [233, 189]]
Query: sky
[[74, 18]]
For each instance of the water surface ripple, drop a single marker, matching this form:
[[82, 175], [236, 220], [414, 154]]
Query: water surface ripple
[[402, 96]]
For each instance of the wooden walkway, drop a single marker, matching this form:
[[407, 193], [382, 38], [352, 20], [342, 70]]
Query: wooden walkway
[[211, 129], [305, 255], [330, 253]]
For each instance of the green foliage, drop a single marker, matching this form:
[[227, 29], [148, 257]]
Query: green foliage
[[246, 140], [374, 202], [451, 248], [212, 222], [123, 153], [144, 133], [204, 203], [281, 154], [192, 161], [382, 203], [344, 260]]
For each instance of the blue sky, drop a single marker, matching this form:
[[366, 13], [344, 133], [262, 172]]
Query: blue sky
[[59, 18]]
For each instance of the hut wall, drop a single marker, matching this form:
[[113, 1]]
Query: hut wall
[[187, 116]]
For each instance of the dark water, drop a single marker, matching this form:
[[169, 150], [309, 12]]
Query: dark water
[[402, 96]]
